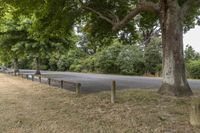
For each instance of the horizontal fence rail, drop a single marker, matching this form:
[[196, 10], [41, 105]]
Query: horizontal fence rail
[[47, 80], [59, 82]]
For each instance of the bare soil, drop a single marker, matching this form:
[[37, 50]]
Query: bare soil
[[30, 107]]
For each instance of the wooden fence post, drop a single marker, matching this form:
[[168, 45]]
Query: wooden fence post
[[61, 84], [40, 79], [113, 91], [32, 77], [78, 87], [49, 81]]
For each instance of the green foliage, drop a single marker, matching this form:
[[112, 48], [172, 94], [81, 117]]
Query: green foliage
[[89, 64], [52, 61], [59, 16], [117, 58], [11, 44], [192, 17], [45, 29], [194, 69], [152, 56], [25, 63], [107, 59], [130, 60], [63, 63], [17, 41], [127, 59], [76, 67], [190, 54], [192, 59], [68, 60]]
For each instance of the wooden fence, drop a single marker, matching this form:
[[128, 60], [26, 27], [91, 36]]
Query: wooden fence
[[60, 83], [50, 81]]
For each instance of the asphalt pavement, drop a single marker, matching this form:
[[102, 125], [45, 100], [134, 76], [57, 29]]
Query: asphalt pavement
[[101, 82]]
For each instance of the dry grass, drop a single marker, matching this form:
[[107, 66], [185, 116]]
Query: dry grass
[[27, 107]]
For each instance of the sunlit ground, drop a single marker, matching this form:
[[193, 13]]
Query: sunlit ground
[[27, 107]]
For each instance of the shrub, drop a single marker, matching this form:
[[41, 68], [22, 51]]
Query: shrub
[[153, 57], [76, 68], [107, 59], [63, 63], [73, 57], [193, 68], [89, 64], [130, 60]]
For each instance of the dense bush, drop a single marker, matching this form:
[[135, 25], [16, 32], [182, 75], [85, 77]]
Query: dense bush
[[25, 63], [63, 63], [153, 57], [67, 61], [89, 64], [193, 68], [107, 59], [76, 67], [53, 59], [130, 60], [190, 54], [117, 58]]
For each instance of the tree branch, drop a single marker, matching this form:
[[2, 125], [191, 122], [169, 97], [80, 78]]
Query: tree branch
[[84, 6], [141, 7], [114, 17], [99, 14]]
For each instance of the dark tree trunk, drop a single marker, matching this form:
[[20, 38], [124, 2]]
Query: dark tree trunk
[[37, 66], [174, 78], [15, 66]]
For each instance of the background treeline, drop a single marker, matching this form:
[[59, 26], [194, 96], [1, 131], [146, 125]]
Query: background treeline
[[116, 59], [192, 59], [26, 43]]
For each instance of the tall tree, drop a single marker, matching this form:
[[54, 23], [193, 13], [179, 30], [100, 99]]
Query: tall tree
[[10, 43], [172, 14], [175, 16], [39, 50]]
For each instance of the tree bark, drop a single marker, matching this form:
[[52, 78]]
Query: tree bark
[[37, 66], [15, 66], [174, 78]]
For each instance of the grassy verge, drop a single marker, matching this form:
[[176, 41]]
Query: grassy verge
[[27, 107]]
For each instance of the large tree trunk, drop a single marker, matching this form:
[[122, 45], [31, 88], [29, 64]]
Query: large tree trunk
[[15, 66], [174, 78], [37, 66]]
